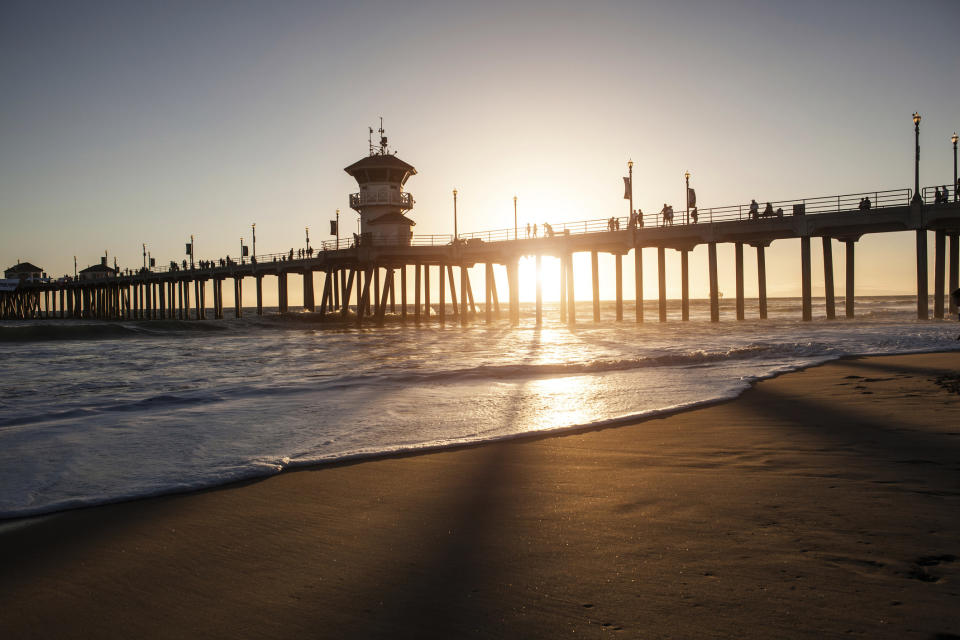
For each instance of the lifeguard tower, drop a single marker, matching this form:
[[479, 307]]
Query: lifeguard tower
[[381, 201]]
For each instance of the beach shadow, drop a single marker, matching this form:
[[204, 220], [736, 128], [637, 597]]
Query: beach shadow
[[443, 581], [881, 438]]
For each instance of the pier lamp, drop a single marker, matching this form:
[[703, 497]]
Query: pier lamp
[[514, 217], [308, 239], [455, 234], [630, 180], [253, 228], [916, 166], [954, 139], [686, 175]]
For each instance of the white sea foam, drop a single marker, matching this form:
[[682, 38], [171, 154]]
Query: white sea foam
[[99, 412]]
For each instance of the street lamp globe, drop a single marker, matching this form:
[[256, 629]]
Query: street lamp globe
[[686, 174], [954, 138], [630, 164], [916, 119]]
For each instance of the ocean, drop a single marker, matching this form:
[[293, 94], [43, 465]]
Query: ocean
[[97, 412]]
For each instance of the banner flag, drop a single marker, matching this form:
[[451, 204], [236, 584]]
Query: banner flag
[[246, 251], [627, 188], [153, 262], [189, 248], [691, 197], [333, 227]]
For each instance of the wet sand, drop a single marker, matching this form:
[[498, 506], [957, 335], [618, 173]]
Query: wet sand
[[823, 503]]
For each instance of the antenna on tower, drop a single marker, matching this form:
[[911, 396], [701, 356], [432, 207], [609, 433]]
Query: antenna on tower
[[370, 140], [383, 139]]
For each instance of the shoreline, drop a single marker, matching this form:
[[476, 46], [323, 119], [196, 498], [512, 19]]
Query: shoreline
[[817, 503], [416, 450]]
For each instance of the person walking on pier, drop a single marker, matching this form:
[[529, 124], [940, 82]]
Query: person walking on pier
[[528, 230], [754, 210], [534, 229]]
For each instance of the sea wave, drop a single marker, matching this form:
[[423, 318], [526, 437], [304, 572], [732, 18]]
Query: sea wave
[[73, 330]]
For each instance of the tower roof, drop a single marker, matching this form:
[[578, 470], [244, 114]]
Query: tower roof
[[24, 267], [381, 167]]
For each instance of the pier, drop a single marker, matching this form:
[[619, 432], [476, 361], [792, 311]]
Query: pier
[[373, 275]]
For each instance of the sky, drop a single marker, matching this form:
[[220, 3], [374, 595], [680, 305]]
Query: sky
[[125, 123]]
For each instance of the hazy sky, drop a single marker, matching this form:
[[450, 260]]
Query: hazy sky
[[131, 122]]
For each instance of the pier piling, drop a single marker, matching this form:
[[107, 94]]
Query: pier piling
[[939, 271], [923, 311], [662, 283], [805, 289], [714, 288], [849, 296], [828, 277]]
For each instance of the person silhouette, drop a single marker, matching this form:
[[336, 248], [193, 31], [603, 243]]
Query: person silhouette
[[754, 209]]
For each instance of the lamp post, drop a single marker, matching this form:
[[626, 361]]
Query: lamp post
[[308, 240], [192, 251], [253, 228], [514, 217], [241, 249], [144, 256], [338, 229], [630, 180], [954, 139], [916, 171], [686, 174], [455, 234]]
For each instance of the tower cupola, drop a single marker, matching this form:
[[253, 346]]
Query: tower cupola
[[381, 201]]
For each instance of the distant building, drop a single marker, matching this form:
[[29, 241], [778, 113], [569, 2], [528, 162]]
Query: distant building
[[98, 271], [24, 271], [381, 201]]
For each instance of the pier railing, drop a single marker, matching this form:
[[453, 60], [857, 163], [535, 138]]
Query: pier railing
[[948, 193], [710, 215]]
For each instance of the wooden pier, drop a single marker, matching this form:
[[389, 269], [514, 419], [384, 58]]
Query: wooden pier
[[360, 283]]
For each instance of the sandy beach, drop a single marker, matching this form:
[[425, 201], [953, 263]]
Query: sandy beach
[[822, 503]]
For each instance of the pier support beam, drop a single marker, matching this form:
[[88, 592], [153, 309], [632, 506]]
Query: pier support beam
[[453, 291], [237, 297], [762, 281], [638, 283], [954, 284], [514, 276], [805, 292], [539, 293], [738, 259], [308, 302], [385, 296], [923, 311], [345, 292], [714, 287], [376, 290], [363, 301], [662, 282], [282, 291], [619, 285], [463, 295], [442, 310], [488, 293], [595, 272], [426, 292], [828, 277], [259, 295], [849, 298], [416, 293], [684, 285], [403, 293], [939, 271], [563, 290]]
